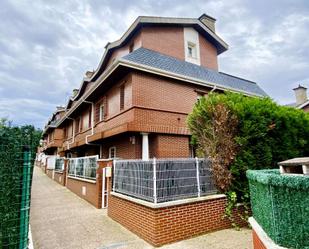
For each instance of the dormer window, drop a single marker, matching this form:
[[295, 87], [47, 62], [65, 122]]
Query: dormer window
[[191, 47]]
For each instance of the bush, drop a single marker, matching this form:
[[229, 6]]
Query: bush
[[17, 144], [266, 133]]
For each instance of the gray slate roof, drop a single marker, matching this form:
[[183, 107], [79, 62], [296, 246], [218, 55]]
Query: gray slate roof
[[170, 64]]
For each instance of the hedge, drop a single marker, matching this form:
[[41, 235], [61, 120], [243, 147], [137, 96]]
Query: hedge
[[267, 133], [280, 204]]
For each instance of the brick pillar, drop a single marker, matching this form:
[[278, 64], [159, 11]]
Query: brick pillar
[[65, 171], [102, 164]]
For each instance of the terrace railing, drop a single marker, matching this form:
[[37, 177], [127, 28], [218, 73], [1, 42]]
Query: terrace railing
[[83, 167], [163, 180], [59, 165]]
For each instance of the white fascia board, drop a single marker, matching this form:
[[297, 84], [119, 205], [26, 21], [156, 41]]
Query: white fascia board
[[184, 78], [303, 105]]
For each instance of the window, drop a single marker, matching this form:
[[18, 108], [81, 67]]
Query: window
[[122, 97], [65, 132], [90, 118], [191, 50], [77, 125], [112, 152], [101, 112]]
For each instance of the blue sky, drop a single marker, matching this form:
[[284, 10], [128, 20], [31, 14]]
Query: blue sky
[[47, 46]]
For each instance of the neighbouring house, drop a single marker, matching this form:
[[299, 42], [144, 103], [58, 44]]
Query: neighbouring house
[[302, 101], [135, 104], [52, 137]]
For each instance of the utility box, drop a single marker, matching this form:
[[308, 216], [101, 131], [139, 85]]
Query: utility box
[[298, 165], [108, 172]]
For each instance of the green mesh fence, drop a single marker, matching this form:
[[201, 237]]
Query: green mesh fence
[[16, 167], [280, 204]]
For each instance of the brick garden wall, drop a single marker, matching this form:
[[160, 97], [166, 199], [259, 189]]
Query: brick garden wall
[[169, 224], [76, 185], [59, 178], [49, 173]]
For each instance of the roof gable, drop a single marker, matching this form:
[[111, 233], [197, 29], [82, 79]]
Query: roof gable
[[143, 21]]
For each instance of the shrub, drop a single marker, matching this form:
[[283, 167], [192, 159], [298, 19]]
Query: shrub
[[265, 134]]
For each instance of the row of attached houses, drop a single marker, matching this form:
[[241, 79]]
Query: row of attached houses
[[135, 104]]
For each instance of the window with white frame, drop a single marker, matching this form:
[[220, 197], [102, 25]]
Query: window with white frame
[[112, 152], [101, 112], [191, 48]]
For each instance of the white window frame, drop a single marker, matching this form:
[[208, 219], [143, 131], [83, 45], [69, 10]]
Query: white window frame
[[192, 46], [101, 112], [110, 152]]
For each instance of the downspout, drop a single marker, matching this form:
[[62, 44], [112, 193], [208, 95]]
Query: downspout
[[214, 88], [73, 137]]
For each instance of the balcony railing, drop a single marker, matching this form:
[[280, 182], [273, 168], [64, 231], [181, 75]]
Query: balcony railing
[[83, 167], [163, 180]]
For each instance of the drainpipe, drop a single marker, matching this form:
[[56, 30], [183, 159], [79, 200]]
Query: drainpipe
[[73, 139], [214, 88]]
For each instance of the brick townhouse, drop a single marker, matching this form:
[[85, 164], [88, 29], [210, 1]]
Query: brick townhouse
[[135, 104]]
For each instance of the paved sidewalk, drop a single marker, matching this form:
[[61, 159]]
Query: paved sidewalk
[[60, 219]]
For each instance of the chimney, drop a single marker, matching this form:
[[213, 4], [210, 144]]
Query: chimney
[[89, 74], [75, 92], [208, 21], [60, 108], [300, 94]]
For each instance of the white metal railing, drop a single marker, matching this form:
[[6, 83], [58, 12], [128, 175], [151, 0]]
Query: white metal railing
[[83, 167], [51, 160], [162, 180]]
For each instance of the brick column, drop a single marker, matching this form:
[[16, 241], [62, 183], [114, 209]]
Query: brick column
[[99, 178]]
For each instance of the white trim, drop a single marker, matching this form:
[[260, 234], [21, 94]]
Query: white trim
[[303, 105], [82, 179], [109, 152], [269, 244], [169, 203], [193, 80]]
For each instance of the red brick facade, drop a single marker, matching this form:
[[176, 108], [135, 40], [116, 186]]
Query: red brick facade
[[169, 224]]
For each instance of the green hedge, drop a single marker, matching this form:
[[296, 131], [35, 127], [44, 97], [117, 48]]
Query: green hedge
[[280, 204], [17, 147], [267, 133]]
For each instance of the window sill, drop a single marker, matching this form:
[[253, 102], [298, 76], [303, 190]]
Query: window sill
[[168, 203], [82, 179]]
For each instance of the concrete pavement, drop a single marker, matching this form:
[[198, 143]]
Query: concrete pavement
[[60, 219]]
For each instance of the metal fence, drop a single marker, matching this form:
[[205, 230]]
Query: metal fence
[[83, 167], [59, 164], [163, 180]]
